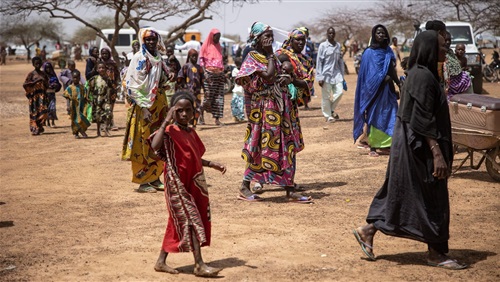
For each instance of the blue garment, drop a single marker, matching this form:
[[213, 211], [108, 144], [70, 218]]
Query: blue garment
[[374, 104]]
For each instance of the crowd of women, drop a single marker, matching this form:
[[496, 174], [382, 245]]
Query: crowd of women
[[161, 138]]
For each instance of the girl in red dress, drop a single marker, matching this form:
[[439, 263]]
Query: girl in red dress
[[186, 193]]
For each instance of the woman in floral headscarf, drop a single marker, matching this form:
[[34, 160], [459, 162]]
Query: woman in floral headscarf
[[145, 78], [212, 63], [303, 64], [271, 141]]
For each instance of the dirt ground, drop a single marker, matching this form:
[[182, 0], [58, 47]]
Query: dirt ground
[[68, 210]]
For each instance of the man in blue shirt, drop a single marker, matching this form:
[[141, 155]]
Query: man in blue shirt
[[330, 75]]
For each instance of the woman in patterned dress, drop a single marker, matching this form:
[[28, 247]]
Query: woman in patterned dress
[[271, 141], [35, 85], [146, 78]]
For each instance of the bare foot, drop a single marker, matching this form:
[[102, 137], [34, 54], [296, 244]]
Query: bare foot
[[206, 271], [162, 267]]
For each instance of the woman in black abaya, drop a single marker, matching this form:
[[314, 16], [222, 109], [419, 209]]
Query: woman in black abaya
[[413, 202]]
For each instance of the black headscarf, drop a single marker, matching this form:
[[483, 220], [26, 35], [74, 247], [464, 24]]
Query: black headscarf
[[374, 44], [436, 25], [425, 52]]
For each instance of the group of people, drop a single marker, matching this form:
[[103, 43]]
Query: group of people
[[161, 138]]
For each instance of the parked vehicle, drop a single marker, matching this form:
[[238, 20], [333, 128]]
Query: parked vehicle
[[462, 32], [491, 72], [127, 35]]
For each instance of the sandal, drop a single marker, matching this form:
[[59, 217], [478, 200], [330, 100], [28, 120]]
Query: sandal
[[146, 188], [298, 198], [252, 198], [449, 264], [364, 245], [158, 185]]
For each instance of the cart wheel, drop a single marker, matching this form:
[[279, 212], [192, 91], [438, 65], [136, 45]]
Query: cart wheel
[[492, 171]]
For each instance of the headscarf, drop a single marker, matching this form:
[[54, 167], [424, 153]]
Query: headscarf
[[374, 44], [425, 52], [294, 34], [53, 80], [209, 50], [110, 54], [145, 70], [256, 30], [133, 42], [191, 52]]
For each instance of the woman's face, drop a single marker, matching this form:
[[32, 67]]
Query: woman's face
[[193, 58], [95, 53], [442, 49], [216, 38], [298, 43], [105, 55], [266, 36], [151, 42], [184, 112], [380, 35], [135, 47]]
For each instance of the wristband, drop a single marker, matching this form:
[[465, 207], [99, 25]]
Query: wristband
[[433, 146]]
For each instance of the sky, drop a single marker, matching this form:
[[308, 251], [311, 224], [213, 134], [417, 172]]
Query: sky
[[236, 20]]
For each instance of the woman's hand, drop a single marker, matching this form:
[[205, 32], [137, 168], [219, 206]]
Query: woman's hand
[[217, 166], [441, 170], [146, 115]]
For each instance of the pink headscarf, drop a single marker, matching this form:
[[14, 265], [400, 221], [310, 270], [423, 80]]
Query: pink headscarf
[[211, 52]]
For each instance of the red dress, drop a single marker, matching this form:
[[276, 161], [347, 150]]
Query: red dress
[[185, 189]]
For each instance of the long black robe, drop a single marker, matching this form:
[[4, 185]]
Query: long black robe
[[412, 203]]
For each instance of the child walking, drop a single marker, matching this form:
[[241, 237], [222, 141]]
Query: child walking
[[189, 226], [35, 85], [54, 86], [191, 78], [78, 105], [237, 103], [99, 91]]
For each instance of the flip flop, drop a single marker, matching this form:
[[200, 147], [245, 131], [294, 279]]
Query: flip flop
[[364, 245], [253, 198], [301, 200], [373, 154], [448, 264]]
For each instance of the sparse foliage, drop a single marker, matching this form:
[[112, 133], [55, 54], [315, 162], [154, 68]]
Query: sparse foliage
[[27, 32]]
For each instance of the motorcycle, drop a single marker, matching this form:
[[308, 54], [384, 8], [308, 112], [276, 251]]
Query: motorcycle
[[357, 61], [491, 71]]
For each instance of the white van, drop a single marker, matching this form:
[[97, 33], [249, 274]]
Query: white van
[[127, 35]]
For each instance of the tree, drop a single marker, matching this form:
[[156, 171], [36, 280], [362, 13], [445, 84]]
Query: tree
[[86, 34], [28, 32], [125, 12], [348, 24], [484, 15]]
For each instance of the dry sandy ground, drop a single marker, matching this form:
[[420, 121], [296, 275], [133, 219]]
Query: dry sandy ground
[[68, 211]]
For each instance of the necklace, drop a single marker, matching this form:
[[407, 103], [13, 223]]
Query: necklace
[[183, 127]]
